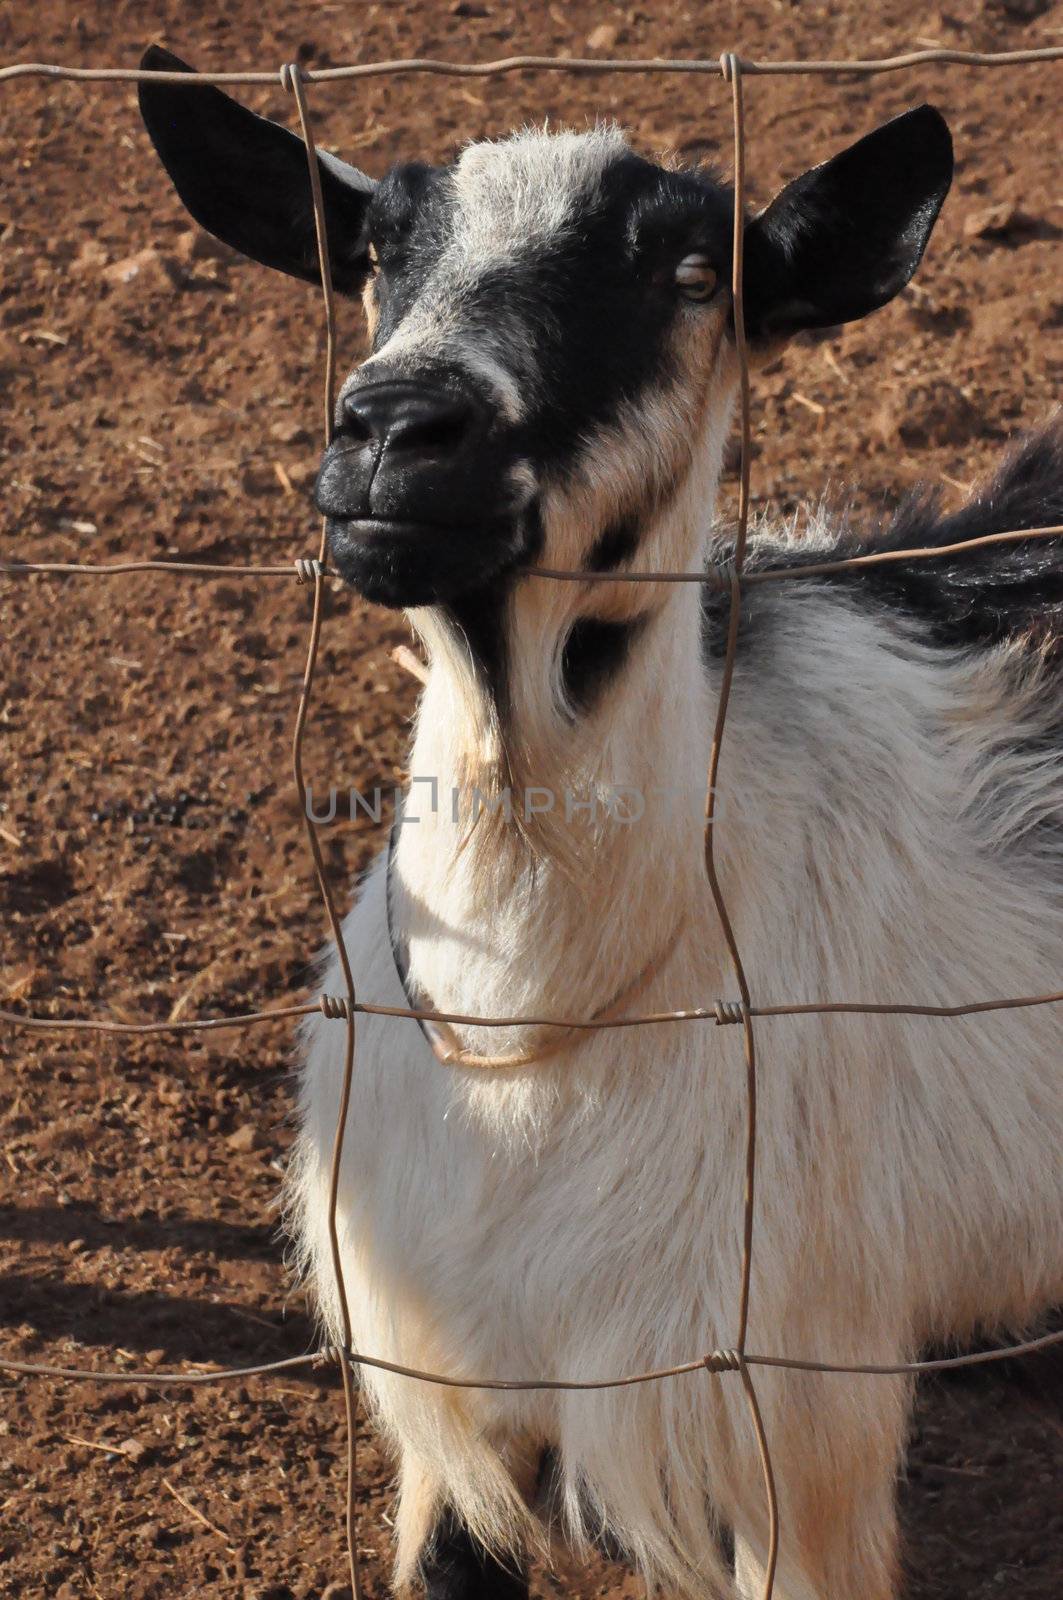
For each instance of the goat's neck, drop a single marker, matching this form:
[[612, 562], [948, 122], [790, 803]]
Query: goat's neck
[[550, 902]]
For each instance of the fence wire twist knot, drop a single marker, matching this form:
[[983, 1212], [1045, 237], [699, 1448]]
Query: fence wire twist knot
[[726, 575], [722, 1361], [335, 1008], [309, 568]]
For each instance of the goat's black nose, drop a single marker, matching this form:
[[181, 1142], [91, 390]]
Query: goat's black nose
[[408, 416]]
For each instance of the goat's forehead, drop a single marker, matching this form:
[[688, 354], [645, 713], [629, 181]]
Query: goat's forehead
[[529, 186]]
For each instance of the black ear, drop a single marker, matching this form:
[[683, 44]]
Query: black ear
[[845, 237], [246, 181]]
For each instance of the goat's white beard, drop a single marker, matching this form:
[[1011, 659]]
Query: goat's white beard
[[492, 910]]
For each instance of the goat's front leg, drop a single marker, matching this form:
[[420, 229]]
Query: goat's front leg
[[850, 1555], [835, 1454]]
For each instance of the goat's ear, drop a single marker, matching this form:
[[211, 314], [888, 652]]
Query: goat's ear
[[844, 238], [246, 180]]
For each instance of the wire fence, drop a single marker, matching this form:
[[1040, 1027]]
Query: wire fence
[[729, 578]]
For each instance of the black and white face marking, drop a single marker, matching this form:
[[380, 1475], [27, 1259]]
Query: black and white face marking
[[519, 301], [547, 315]]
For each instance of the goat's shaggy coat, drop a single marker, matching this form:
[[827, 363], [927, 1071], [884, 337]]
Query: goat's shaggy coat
[[892, 803], [891, 817]]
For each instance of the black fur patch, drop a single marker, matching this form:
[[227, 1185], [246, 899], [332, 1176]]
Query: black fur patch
[[615, 544], [406, 221], [972, 600], [455, 1567], [593, 654], [478, 617], [602, 296], [987, 596]]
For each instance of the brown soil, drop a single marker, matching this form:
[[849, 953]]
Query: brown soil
[[162, 398]]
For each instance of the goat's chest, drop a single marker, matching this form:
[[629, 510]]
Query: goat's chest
[[497, 1219]]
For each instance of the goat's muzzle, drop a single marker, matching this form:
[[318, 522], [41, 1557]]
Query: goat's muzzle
[[417, 488]]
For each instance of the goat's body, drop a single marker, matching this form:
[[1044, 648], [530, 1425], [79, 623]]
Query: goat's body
[[550, 383], [890, 831]]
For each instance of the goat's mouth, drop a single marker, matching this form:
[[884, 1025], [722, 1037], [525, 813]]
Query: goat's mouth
[[404, 561]]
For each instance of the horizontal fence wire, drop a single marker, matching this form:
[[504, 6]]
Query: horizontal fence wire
[[729, 577], [574, 65], [711, 577], [715, 1361], [336, 1007]]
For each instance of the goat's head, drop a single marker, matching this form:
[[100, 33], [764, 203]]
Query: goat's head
[[550, 320]]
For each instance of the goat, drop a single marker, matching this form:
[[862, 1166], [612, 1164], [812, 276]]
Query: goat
[[551, 381]]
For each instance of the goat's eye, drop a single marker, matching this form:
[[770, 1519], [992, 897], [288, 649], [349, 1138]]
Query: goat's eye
[[696, 277]]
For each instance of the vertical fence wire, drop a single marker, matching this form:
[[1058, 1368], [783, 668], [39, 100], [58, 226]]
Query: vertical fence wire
[[291, 78], [731, 69]]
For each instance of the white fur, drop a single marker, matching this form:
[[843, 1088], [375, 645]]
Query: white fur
[[581, 1217]]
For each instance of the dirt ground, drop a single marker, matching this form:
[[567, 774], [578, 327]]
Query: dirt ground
[[160, 398]]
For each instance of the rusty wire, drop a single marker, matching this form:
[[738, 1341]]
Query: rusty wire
[[334, 1008], [732, 73], [715, 1361], [291, 77], [118, 569], [576, 65], [710, 577], [728, 577]]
